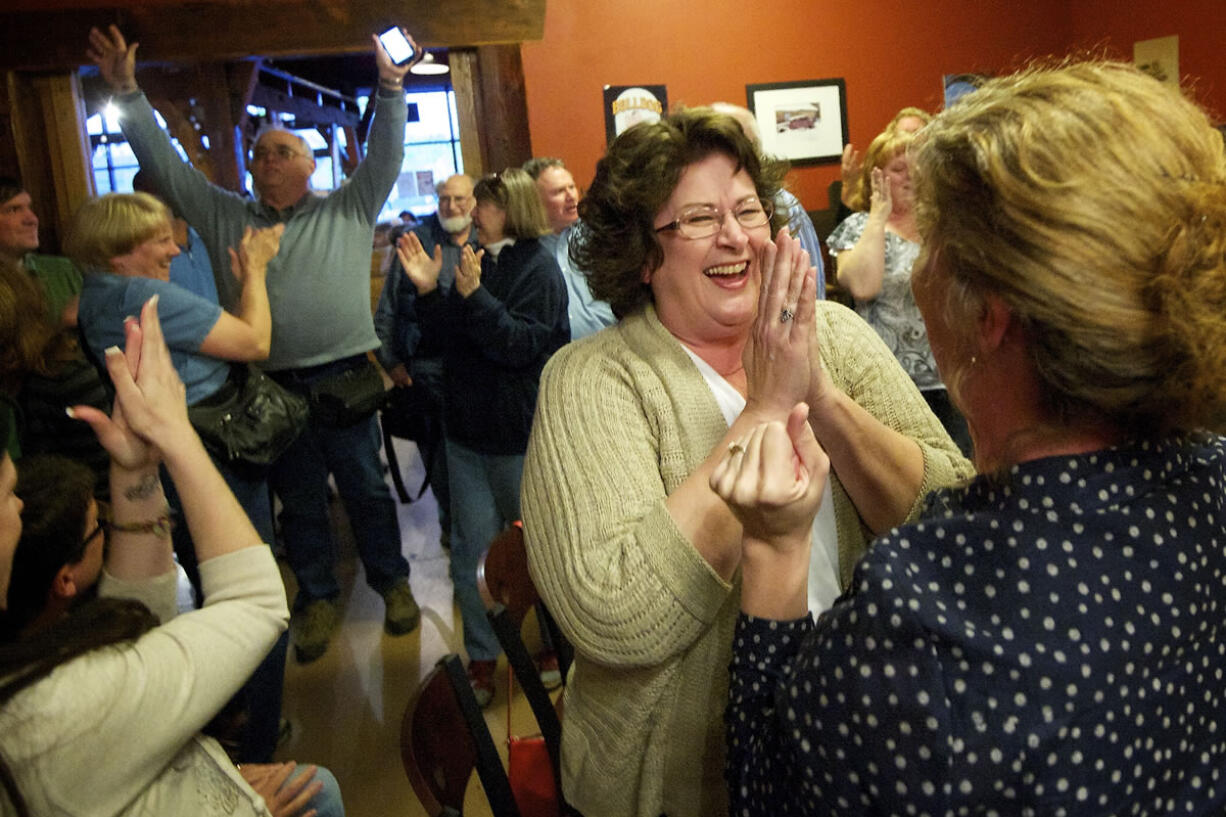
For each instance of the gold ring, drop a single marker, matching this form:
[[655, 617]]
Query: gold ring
[[735, 448]]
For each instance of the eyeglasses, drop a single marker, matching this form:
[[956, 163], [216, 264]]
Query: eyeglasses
[[104, 515], [703, 220], [282, 152], [99, 530]]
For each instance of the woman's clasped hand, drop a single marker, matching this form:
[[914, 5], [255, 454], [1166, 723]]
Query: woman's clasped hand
[[779, 347], [772, 481]]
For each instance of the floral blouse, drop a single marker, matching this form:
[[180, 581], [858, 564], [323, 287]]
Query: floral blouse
[[1044, 643], [893, 314]]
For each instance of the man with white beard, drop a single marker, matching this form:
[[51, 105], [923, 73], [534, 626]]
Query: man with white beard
[[411, 358]]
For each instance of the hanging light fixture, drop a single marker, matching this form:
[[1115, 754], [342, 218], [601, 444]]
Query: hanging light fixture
[[429, 65]]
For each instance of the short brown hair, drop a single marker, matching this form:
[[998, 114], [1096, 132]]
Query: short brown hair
[[617, 240], [1091, 199]]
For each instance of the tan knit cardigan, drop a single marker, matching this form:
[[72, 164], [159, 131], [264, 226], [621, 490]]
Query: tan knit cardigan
[[623, 417]]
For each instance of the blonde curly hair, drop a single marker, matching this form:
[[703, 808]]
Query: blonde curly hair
[[1091, 199]]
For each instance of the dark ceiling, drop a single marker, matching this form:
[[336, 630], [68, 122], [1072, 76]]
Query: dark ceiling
[[354, 73]]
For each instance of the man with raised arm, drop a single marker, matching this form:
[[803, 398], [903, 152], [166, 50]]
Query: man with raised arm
[[318, 290]]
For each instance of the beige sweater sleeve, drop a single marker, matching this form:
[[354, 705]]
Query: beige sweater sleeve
[[862, 366], [606, 449]]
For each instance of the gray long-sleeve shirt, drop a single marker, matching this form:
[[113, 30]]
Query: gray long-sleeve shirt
[[319, 281]]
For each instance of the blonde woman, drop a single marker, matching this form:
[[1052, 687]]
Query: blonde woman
[[874, 253], [1046, 639], [125, 243]]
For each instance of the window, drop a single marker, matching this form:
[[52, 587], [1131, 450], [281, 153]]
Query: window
[[111, 158], [431, 152]]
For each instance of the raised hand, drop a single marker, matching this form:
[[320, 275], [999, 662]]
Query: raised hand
[[256, 249], [776, 356], [468, 274], [773, 479], [391, 74], [421, 269], [850, 170], [881, 205], [115, 58]]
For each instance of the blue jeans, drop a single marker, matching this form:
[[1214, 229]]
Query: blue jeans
[[484, 500], [300, 478], [328, 802]]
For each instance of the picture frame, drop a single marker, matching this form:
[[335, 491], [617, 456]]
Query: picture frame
[[804, 122]]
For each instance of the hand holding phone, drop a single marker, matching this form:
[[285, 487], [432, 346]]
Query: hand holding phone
[[397, 46]]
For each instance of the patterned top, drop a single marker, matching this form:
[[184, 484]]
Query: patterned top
[[893, 313], [1045, 643]]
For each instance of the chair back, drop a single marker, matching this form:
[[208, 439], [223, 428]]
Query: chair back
[[444, 737], [503, 578]]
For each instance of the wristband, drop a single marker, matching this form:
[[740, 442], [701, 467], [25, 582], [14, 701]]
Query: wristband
[[160, 527]]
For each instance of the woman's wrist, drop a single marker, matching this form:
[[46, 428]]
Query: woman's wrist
[[140, 485], [391, 83], [187, 452], [775, 577]]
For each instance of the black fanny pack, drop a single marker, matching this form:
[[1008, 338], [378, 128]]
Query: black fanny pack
[[349, 397]]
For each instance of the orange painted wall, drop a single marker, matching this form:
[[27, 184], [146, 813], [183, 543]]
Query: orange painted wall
[[1200, 25], [892, 53]]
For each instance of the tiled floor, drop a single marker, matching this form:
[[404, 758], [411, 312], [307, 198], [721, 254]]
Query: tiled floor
[[346, 707]]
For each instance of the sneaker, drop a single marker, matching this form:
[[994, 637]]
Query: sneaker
[[481, 679], [403, 615], [547, 666], [313, 626]]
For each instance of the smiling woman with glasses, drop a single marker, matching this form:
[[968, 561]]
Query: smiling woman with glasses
[[637, 558]]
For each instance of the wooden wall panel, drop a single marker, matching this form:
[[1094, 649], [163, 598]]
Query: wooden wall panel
[[52, 148], [464, 81], [503, 127], [219, 31]]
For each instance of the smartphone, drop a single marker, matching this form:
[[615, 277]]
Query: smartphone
[[397, 45]]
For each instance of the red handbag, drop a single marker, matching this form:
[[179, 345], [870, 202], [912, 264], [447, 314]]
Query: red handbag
[[529, 769]]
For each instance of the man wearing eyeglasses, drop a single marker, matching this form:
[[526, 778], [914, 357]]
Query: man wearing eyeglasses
[[318, 290], [416, 360]]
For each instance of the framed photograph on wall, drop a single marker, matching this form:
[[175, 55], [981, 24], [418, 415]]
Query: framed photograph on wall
[[804, 122], [626, 105]]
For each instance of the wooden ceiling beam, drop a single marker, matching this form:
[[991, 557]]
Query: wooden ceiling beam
[[55, 37]]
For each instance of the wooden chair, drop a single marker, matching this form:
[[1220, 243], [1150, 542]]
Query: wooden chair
[[503, 578], [443, 738], [506, 585]]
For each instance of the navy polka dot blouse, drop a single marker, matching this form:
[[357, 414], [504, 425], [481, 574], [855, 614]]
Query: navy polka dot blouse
[[1044, 643]]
